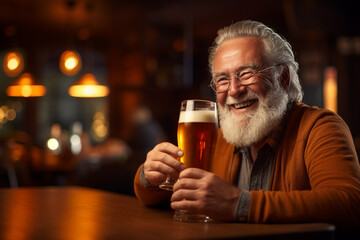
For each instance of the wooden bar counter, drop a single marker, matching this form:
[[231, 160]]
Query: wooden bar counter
[[83, 213]]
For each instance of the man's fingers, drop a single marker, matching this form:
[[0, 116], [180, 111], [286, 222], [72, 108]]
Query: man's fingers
[[195, 173], [185, 183], [168, 154], [157, 177], [169, 148], [185, 204], [164, 163], [188, 194]]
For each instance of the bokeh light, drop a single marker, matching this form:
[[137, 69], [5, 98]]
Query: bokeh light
[[70, 63], [13, 63]]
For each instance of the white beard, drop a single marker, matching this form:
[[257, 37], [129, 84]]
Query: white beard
[[246, 129]]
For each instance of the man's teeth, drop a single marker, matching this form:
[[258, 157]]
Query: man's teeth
[[243, 104]]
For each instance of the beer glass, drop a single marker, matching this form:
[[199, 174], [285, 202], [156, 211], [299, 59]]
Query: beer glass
[[197, 134]]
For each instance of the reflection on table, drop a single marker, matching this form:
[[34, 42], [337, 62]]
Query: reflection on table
[[82, 213]]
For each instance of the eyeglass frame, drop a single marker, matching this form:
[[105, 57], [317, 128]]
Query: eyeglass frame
[[235, 74]]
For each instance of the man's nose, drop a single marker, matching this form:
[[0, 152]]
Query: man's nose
[[235, 88]]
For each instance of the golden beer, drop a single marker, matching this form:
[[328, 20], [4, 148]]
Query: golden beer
[[197, 134]]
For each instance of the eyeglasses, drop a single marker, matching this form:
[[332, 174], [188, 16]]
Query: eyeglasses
[[245, 76]]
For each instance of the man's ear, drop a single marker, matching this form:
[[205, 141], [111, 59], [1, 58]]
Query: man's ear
[[285, 78]]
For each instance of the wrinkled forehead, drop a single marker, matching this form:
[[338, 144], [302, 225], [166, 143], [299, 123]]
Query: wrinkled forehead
[[237, 52]]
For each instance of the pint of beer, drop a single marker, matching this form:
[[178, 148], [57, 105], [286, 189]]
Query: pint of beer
[[197, 132]]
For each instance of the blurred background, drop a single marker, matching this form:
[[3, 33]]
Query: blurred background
[[87, 87]]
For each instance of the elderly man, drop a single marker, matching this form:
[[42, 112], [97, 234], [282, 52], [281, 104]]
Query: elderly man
[[277, 160]]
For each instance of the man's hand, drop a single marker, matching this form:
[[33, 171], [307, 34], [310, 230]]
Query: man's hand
[[162, 161], [205, 193]]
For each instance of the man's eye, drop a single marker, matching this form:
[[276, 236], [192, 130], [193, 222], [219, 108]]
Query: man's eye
[[246, 74], [222, 81]]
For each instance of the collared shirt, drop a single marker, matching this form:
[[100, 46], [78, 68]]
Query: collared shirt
[[256, 175]]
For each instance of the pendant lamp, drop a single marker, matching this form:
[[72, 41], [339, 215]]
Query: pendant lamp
[[88, 87], [26, 86], [70, 62], [13, 63]]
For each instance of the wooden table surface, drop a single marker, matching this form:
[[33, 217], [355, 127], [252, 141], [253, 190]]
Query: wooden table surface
[[83, 213]]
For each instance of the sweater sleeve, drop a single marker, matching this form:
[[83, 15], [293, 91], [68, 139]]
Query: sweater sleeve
[[149, 195], [325, 159]]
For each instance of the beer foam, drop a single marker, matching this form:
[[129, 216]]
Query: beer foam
[[198, 116]]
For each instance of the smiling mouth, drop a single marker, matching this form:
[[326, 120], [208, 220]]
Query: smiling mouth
[[243, 104]]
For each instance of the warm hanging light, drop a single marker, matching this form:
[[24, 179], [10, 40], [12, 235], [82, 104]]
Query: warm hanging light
[[26, 86], [330, 89], [88, 86], [13, 63], [70, 63]]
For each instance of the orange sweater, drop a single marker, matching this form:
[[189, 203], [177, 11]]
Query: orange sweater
[[316, 175]]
